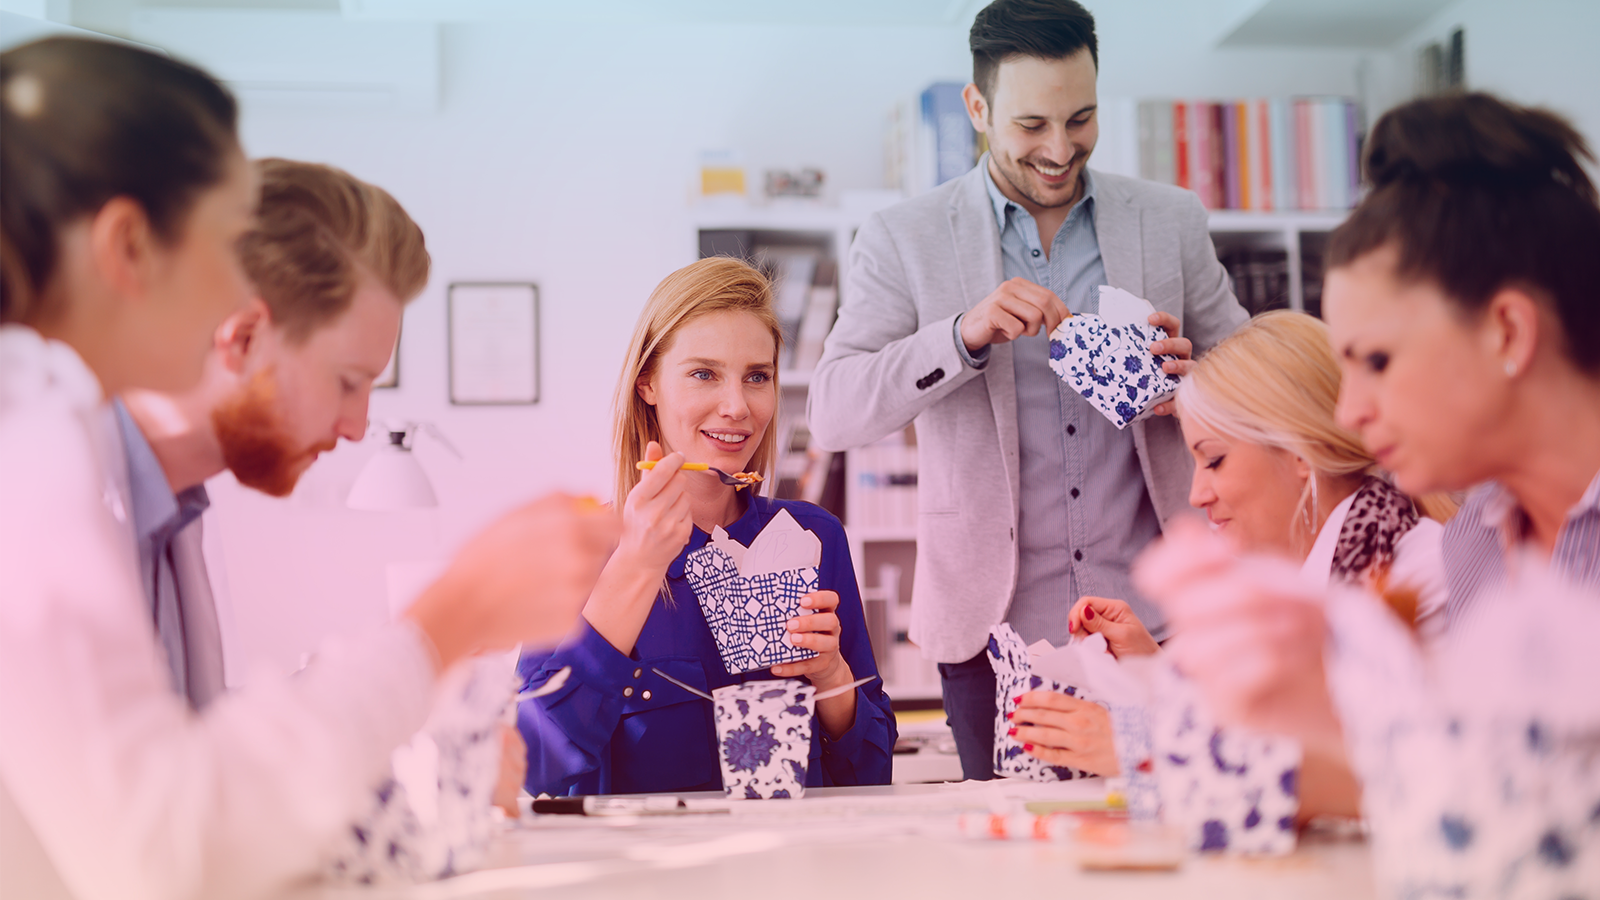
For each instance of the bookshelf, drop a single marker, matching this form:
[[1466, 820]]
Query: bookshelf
[[1299, 237], [882, 542]]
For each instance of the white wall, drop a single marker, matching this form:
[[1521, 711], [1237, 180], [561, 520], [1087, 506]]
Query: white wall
[[1537, 52], [566, 157]]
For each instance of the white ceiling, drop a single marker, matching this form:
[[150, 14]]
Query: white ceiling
[[1332, 23], [747, 12]]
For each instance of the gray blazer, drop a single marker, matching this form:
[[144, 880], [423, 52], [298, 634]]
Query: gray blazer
[[891, 359]]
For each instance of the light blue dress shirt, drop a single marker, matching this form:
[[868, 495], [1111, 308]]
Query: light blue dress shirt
[[158, 516], [1085, 511]]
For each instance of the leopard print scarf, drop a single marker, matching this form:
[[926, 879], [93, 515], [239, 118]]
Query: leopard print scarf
[[1379, 516]]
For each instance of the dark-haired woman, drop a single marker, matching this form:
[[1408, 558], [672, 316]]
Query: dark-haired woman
[[1462, 300], [123, 193]]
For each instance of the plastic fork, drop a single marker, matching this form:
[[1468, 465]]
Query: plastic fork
[[645, 465]]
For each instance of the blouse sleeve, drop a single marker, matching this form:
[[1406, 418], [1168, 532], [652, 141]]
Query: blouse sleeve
[[568, 730], [865, 753]]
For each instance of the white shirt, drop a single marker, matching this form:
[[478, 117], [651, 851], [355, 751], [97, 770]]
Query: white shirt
[[1418, 564], [102, 767]]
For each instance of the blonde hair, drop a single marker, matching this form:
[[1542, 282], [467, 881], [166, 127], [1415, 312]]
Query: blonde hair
[[717, 284], [1275, 382]]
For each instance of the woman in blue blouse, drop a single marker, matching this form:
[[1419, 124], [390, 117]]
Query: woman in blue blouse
[[700, 382]]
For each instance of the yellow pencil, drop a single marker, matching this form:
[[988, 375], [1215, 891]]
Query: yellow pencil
[[692, 467]]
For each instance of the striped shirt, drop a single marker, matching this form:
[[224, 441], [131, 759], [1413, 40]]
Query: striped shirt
[[1489, 530]]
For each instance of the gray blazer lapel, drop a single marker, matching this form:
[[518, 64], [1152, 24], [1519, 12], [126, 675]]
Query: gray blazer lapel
[[976, 235], [1119, 226]]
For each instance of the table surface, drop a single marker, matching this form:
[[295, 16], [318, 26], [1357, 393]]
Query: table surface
[[860, 842]]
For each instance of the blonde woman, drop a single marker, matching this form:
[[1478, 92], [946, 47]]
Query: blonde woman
[[699, 384], [1276, 473]]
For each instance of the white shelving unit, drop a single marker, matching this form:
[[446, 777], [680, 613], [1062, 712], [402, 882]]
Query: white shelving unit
[[834, 228], [1278, 231]]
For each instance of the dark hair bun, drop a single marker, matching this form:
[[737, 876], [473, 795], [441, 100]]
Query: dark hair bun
[[1477, 139]]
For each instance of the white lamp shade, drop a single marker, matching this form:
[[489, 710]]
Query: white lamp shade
[[392, 479]]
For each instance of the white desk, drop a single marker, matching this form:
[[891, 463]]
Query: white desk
[[881, 843]]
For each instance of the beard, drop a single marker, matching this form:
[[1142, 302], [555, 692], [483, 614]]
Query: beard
[[256, 446], [1020, 176]]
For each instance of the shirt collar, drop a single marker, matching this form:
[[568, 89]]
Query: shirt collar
[[1002, 203], [757, 511], [1502, 514], [157, 511]]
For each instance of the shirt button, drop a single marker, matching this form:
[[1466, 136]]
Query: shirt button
[[1074, 493], [1077, 555], [1072, 429], [1035, 253], [627, 692], [645, 695], [637, 672]]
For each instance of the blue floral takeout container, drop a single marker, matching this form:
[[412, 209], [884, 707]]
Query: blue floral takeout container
[[1013, 676], [1109, 364], [764, 738]]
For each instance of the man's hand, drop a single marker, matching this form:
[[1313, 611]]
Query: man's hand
[[1016, 308], [1181, 347]]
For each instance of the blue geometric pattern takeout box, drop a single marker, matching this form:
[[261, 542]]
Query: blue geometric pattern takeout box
[[748, 595], [1106, 358]]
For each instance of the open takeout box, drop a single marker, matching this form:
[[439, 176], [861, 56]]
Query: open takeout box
[[749, 594], [1106, 358]]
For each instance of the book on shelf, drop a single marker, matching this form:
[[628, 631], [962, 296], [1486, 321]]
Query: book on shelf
[[1255, 154], [792, 270], [930, 140], [883, 488], [1260, 277], [822, 305]]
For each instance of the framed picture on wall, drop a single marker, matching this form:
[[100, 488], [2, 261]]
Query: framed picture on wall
[[494, 343], [391, 373]]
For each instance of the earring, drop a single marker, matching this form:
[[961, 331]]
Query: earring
[[1511, 369]]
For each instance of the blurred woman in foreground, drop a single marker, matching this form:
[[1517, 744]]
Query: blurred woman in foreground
[[1462, 303], [123, 194]]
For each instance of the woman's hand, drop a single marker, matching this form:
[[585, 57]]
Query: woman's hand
[[1065, 731], [820, 631], [655, 528], [655, 519], [513, 770], [1125, 634], [1250, 634]]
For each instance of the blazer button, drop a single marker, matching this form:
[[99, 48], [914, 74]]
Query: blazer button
[[645, 695], [638, 672], [627, 692]]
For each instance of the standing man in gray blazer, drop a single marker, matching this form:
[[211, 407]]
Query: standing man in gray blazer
[[1028, 498]]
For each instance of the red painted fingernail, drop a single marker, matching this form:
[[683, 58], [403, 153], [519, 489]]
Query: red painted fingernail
[[1027, 748], [1010, 714], [1088, 612], [1012, 731], [1017, 699]]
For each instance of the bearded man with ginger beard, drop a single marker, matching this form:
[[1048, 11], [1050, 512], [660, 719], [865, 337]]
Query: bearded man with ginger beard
[[333, 261]]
